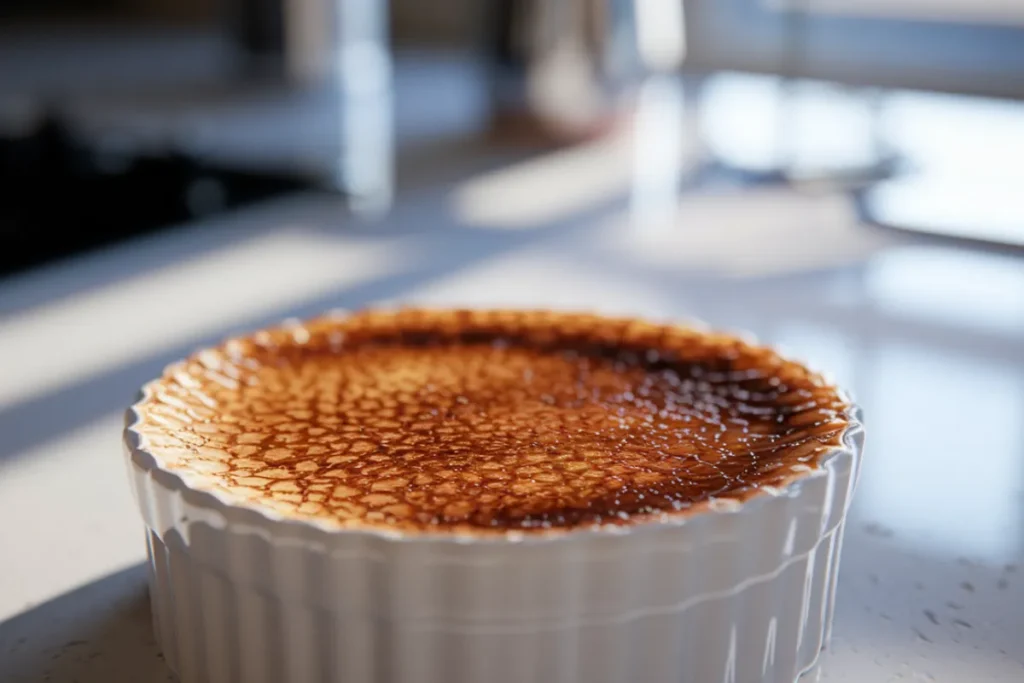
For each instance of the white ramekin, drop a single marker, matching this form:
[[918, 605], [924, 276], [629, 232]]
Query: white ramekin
[[738, 593]]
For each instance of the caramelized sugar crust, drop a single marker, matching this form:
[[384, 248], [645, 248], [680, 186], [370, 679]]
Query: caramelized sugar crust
[[488, 420]]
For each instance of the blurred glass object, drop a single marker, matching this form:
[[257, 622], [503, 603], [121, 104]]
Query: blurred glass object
[[568, 68], [818, 132], [964, 178], [578, 70], [361, 69], [949, 205], [338, 48], [659, 155], [660, 144], [772, 128]]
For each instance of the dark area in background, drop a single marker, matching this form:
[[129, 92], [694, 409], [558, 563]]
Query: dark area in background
[[60, 196], [20, 9], [40, 11], [256, 26]]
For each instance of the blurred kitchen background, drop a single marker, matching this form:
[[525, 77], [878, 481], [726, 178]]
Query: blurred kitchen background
[[119, 116], [845, 178]]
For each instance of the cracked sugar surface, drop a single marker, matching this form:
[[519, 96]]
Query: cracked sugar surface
[[488, 421]]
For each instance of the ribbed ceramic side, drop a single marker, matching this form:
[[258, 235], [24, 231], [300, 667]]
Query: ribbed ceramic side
[[741, 595]]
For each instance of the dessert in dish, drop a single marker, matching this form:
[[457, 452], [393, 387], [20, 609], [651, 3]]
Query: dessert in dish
[[467, 420], [511, 496]]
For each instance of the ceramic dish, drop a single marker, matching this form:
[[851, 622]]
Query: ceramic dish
[[736, 587]]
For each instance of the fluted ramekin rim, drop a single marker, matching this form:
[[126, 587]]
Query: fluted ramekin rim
[[252, 516]]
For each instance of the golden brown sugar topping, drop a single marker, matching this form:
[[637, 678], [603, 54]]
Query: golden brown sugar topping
[[488, 420]]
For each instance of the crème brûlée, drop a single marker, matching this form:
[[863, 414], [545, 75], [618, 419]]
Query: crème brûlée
[[488, 421]]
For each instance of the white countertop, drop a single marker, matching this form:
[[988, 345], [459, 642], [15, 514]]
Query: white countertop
[[930, 339]]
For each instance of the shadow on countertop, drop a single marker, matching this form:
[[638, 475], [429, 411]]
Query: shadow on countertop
[[98, 633]]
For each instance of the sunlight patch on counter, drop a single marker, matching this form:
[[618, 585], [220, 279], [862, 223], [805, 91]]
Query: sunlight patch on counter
[[85, 334]]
